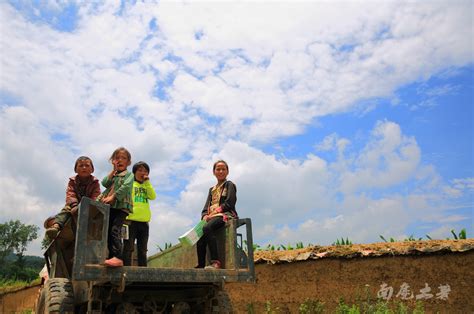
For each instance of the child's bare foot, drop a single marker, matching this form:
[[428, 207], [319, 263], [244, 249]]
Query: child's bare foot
[[113, 262]]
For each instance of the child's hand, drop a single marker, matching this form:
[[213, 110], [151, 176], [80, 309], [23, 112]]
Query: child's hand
[[109, 199], [74, 210], [146, 177], [115, 164], [114, 170]]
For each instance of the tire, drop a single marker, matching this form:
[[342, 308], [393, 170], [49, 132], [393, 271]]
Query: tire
[[221, 303], [181, 308], [59, 296], [41, 302]]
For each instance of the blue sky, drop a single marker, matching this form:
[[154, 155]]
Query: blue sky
[[349, 119]]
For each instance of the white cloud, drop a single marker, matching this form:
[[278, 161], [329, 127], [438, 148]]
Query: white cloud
[[237, 76], [300, 199]]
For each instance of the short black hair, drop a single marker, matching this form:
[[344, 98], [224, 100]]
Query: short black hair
[[218, 162], [82, 158], [140, 164]]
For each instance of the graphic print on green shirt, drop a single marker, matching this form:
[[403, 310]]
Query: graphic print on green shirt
[[140, 195]]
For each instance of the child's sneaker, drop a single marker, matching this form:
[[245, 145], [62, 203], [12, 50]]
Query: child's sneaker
[[113, 262], [52, 232]]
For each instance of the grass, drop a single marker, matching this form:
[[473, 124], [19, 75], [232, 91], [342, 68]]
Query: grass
[[9, 285], [375, 306]]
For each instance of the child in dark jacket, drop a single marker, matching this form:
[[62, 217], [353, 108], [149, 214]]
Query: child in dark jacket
[[219, 207], [80, 185]]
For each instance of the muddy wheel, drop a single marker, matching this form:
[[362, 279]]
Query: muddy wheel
[[181, 308], [221, 303], [59, 296], [125, 308], [41, 302]]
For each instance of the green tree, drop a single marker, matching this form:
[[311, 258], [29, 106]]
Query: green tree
[[14, 237]]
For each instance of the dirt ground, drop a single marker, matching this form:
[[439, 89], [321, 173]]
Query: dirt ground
[[440, 273]]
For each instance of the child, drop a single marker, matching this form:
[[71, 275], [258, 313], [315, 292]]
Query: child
[[137, 221], [118, 184], [83, 184], [219, 207]]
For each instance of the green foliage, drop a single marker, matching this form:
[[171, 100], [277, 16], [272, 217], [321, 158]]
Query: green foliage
[[412, 238], [311, 307], [281, 247], [269, 308], [462, 235], [255, 246], [18, 272], [419, 308], [344, 308], [378, 307], [382, 237], [7, 285], [270, 247], [250, 308], [167, 246], [342, 242], [402, 308], [14, 237], [367, 305], [286, 248]]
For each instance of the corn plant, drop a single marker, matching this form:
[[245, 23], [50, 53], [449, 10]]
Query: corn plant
[[167, 246], [343, 242], [270, 247], [412, 238], [385, 240], [255, 246], [462, 235]]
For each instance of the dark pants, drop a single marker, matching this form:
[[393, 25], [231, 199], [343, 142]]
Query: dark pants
[[139, 231], [114, 239], [63, 216], [209, 239]]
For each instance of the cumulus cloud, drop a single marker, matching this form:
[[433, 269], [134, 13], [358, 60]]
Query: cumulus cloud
[[320, 200], [181, 84]]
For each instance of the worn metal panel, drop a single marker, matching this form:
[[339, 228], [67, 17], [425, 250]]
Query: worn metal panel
[[130, 274], [91, 250], [91, 237]]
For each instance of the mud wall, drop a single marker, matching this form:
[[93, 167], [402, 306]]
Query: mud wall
[[444, 282], [19, 301], [288, 285]]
